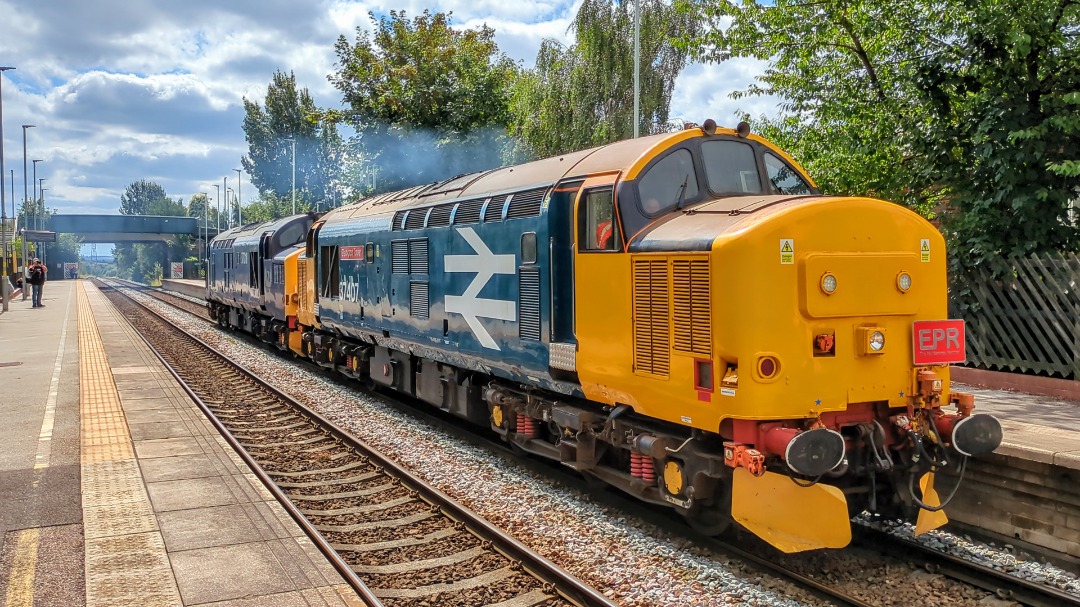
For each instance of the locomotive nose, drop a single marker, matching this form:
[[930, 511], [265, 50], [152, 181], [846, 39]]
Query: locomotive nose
[[977, 434]]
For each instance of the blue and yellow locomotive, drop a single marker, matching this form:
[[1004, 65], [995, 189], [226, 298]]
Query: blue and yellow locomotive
[[682, 316]]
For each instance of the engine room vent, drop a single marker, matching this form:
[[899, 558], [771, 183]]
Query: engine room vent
[[494, 209], [469, 212], [399, 218], [690, 295], [399, 256], [418, 256], [415, 219], [529, 304], [652, 317], [419, 303], [440, 216], [526, 204]]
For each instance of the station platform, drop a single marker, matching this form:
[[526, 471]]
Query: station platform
[[193, 288], [116, 490]]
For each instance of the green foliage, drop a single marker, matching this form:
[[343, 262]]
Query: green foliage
[[427, 101], [1002, 127], [290, 113], [137, 261], [583, 95], [141, 196], [98, 269], [968, 108]]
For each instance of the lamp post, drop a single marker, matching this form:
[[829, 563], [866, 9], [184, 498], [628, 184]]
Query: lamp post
[[41, 197], [218, 199], [5, 284], [228, 211], [637, 66], [33, 182], [41, 224], [14, 213], [239, 199], [293, 141], [25, 193], [206, 226]]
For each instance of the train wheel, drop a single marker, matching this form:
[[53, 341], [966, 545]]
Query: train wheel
[[710, 519]]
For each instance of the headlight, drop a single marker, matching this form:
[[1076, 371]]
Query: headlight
[[903, 281], [877, 341], [828, 283]]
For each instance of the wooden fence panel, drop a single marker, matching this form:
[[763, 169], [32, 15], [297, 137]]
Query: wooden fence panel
[[1028, 322]]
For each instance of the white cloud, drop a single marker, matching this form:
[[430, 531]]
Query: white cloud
[[122, 90]]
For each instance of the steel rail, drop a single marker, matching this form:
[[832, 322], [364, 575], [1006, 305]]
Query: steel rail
[[542, 568], [1006, 586], [335, 559]]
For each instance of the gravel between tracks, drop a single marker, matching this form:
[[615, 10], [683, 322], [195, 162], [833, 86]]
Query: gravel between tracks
[[631, 562]]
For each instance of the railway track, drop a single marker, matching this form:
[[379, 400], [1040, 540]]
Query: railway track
[[402, 542], [173, 300], [1002, 584], [1005, 586]]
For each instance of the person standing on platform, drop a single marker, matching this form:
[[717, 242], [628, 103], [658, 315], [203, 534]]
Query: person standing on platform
[[37, 281]]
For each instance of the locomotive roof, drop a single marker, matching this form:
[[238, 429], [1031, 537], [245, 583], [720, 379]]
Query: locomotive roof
[[254, 229], [617, 156]]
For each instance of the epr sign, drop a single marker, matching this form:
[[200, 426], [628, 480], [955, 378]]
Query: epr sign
[[939, 342]]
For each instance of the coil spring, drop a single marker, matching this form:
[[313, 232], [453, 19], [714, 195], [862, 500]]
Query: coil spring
[[527, 426], [641, 466]]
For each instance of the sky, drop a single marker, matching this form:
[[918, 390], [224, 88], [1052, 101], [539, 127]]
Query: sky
[[123, 90]]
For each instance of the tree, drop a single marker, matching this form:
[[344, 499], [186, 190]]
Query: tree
[[138, 260], [1002, 126], [427, 101], [966, 107], [583, 95], [290, 113], [140, 196]]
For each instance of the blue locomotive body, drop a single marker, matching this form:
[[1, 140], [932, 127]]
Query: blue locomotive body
[[239, 281], [466, 281]]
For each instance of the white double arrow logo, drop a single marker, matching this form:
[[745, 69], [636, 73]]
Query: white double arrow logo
[[484, 264]]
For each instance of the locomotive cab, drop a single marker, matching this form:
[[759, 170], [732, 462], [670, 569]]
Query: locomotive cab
[[780, 327]]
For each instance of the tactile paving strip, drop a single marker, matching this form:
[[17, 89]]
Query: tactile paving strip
[[126, 562]]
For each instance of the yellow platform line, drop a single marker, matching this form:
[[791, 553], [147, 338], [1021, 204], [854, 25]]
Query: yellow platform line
[[20, 587], [126, 562]]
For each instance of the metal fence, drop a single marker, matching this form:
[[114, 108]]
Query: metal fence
[[1027, 321]]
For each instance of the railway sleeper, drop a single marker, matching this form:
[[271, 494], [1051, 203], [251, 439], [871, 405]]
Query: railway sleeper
[[657, 463]]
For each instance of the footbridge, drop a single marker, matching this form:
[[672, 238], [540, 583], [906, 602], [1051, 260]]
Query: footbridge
[[128, 228]]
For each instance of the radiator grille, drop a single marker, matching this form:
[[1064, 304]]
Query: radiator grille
[[526, 204], [418, 256], [494, 209], [652, 317], [440, 216], [418, 300], [415, 219], [529, 304], [399, 218], [399, 256], [690, 296], [305, 292], [469, 212]]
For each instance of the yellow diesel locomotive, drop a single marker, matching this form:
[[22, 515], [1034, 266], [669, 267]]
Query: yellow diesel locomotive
[[682, 316]]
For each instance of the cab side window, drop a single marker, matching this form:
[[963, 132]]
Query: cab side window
[[783, 178], [598, 224]]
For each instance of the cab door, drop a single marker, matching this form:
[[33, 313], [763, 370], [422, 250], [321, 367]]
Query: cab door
[[602, 288]]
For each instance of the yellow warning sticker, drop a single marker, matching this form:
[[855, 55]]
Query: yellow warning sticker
[[787, 250], [924, 250]]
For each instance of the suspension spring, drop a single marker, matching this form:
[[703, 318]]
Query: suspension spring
[[641, 466], [527, 426]]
